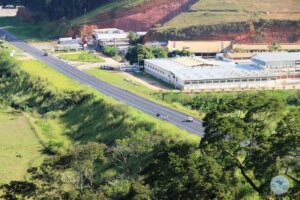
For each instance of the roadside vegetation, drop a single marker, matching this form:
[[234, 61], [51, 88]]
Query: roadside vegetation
[[82, 56]]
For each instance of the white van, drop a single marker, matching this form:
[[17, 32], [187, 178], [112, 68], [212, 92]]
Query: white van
[[9, 6]]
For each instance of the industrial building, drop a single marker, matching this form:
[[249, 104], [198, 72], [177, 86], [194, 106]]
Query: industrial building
[[201, 48], [68, 44], [111, 37], [266, 71]]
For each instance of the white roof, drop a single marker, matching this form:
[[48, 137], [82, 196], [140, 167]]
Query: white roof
[[104, 36], [220, 69], [277, 56], [109, 30]]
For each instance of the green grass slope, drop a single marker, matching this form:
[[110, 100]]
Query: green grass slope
[[211, 12], [69, 112], [19, 146]]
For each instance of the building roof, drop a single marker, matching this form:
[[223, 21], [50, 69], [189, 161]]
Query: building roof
[[219, 69], [110, 36], [277, 56], [200, 46], [108, 30]]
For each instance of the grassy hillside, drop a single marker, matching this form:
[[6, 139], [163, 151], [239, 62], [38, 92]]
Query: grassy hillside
[[208, 12], [76, 111], [19, 146]]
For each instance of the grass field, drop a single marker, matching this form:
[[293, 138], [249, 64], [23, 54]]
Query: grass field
[[209, 12], [19, 146], [82, 56]]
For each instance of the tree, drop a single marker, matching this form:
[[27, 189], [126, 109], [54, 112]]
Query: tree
[[110, 51], [285, 145], [180, 171], [275, 46], [240, 134], [183, 52], [18, 190], [134, 39], [140, 52], [159, 53]]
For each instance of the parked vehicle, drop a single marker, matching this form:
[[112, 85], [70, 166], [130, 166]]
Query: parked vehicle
[[10, 6], [189, 119], [106, 67]]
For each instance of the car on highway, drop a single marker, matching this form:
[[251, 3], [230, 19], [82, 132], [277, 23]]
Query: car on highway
[[45, 54], [189, 119]]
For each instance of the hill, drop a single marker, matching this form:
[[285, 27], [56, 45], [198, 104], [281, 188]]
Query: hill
[[248, 21], [129, 15]]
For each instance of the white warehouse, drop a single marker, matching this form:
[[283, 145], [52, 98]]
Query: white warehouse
[[266, 71]]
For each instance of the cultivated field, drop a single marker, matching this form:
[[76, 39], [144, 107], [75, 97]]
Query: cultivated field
[[207, 12], [19, 146]]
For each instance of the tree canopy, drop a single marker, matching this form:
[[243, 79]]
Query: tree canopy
[[253, 134]]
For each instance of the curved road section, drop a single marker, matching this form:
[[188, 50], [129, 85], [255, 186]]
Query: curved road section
[[149, 107]]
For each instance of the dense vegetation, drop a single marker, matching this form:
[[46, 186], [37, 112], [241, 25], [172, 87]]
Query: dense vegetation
[[56, 9], [138, 53], [116, 153]]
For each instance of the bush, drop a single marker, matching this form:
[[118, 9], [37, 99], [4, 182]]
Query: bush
[[110, 51]]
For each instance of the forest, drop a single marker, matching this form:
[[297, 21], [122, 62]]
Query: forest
[[57, 9]]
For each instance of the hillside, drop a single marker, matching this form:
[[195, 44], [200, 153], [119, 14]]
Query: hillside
[[238, 20], [136, 15]]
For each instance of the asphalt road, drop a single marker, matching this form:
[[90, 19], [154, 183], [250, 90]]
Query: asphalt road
[[149, 107]]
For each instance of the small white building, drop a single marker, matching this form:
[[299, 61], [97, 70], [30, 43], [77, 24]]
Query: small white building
[[68, 44], [197, 74]]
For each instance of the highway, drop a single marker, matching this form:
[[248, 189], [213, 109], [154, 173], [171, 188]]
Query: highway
[[175, 117]]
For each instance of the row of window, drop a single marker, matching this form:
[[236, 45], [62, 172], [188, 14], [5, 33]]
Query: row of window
[[228, 81], [155, 69]]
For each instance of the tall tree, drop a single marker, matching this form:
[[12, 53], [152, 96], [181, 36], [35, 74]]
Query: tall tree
[[241, 135]]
